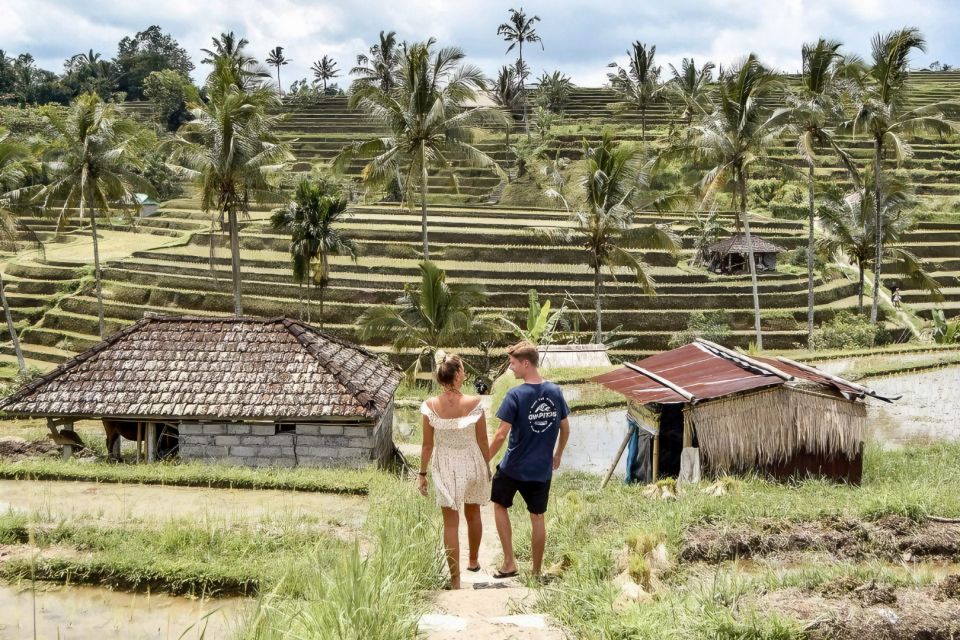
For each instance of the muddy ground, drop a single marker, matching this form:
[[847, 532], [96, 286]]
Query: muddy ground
[[890, 538], [870, 610]]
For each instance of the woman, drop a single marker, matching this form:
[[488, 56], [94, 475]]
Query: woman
[[455, 438]]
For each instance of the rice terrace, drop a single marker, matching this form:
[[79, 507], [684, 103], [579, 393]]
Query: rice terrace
[[298, 300]]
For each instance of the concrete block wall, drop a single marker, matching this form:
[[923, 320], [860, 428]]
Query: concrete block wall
[[325, 444]]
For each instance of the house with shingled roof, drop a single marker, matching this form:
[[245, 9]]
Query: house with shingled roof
[[249, 391]]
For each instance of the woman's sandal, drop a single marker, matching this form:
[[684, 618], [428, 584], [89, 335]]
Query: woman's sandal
[[474, 569], [500, 575]]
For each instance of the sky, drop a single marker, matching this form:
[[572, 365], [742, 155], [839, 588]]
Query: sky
[[579, 38]]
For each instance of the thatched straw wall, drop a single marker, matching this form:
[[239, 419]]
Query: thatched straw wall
[[771, 426]]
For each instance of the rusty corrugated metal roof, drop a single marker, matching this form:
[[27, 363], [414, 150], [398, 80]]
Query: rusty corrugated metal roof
[[708, 373]]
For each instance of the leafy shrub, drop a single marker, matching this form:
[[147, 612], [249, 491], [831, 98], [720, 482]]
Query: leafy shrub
[[709, 325], [848, 331], [160, 176], [170, 93]]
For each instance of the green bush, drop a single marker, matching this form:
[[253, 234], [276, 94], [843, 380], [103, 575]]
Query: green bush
[[848, 331], [170, 93], [709, 325]]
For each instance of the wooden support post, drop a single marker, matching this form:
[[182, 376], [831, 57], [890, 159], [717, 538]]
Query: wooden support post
[[139, 438], [151, 442], [67, 451], [616, 460], [656, 456], [687, 433]]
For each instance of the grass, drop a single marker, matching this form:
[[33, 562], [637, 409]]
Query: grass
[[346, 481], [378, 596], [179, 557], [587, 528]]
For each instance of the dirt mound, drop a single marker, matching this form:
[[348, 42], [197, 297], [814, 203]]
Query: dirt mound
[[890, 537], [949, 587], [13, 448], [909, 614]]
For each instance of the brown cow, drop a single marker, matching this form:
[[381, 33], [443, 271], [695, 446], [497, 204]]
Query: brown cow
[[168, 438]]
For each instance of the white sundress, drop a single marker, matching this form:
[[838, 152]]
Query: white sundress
[[458, 469]]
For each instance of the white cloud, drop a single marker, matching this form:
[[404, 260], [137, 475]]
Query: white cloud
[[580, 38]]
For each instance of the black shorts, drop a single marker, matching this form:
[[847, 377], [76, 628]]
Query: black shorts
[[535, 494]]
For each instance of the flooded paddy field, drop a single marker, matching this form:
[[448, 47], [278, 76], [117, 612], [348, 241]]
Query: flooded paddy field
[[91, 613]]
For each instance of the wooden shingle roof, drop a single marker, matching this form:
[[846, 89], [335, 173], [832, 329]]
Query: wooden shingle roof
[[214, 368]]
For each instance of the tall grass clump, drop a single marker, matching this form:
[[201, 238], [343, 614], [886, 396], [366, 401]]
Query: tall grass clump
[[372, 591]]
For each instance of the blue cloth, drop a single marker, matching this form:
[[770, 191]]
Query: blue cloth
[[534, 412], [638, 467]]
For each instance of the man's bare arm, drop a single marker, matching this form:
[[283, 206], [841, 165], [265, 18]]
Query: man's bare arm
[[561, 442], [498, 438]]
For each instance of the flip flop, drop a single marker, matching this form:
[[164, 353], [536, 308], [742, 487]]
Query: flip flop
[[474, 569], [500, 575]]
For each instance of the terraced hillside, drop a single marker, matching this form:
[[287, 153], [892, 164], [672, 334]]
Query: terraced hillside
[[163, 264]]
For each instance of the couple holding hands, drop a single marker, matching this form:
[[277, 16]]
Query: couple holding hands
[[456, 450]]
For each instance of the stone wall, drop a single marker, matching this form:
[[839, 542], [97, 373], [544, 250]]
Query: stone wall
[[325, 444]]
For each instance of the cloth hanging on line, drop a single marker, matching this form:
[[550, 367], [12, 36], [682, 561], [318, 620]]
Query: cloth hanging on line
[[639, 452]]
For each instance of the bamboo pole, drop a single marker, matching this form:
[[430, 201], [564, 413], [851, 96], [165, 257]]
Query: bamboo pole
[[616, 460], [656, 457]]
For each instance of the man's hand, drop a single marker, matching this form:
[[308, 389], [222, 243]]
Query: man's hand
[[556, 461]]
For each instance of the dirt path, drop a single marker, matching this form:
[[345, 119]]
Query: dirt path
[[477, 611]]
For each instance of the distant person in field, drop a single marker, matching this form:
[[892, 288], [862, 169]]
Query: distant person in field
[[897, 298], [455, 450], [534, 417]]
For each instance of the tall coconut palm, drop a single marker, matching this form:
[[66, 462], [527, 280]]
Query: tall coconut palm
[[325, 69], [437, 314], [639, 84], [506, 93], [881, 113], [850, 235], [380, 67], [690, 87], [310, 218], [81, 60], [13, 155], [734, 139], [615, 190], [230, 50], [227, 45], [230, 151], [428, 124], [814, 106], [90, 162], [276, 59], [517, 30]]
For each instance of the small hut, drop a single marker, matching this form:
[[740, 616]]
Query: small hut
[[249, 391], [148, 206], [706, 407], [732, 255]]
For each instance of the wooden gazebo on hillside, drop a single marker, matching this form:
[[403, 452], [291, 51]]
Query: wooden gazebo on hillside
[[251, 391], [732, 255], [740, 413]]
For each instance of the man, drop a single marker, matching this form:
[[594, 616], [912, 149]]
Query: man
[[534, 415]]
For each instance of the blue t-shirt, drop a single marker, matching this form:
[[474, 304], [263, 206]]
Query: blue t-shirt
[[534, 412]]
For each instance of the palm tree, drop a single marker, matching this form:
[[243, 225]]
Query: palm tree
[[325, 69], [506, 93], [231, 49], [81, 60], [12, 157], [605, 228], [639, 85], [230, 151], [517, 30], [815, 104], [91, 162], [438, 314], [380, 67], [691, 87], [427, 122], [881, 113], [276, 59], [735, 138], [310, 219], [850, 234]]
